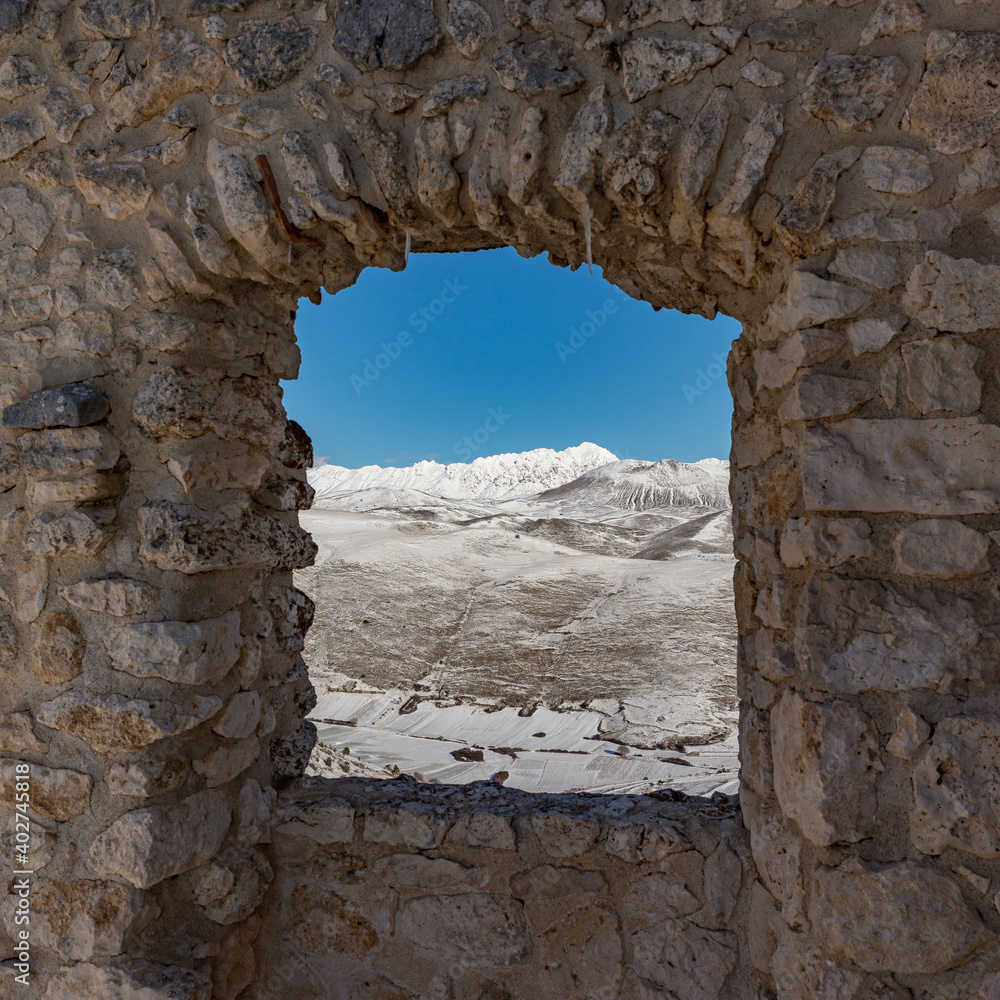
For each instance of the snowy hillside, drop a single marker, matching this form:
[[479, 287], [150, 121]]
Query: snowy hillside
[[586, 472]]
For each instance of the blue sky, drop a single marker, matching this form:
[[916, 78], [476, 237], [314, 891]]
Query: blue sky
[[472, 354]]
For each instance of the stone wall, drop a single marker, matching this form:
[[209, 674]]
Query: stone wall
[[826, 172]]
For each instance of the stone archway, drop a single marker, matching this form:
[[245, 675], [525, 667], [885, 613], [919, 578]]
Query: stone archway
[[823, 172]]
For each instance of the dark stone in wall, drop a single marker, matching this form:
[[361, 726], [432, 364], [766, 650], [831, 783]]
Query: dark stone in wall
[[385, 34], [264, 56], [14, 16]]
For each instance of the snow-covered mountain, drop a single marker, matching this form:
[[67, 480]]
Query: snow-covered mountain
[[632, 485], [496, 477]]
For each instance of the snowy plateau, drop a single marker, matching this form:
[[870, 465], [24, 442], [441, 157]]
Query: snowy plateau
[[555, 620]]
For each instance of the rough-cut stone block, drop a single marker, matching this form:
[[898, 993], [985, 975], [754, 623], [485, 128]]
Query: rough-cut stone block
[[328, 820], [484, 829], [959, 296], [192, 540], [116, 596], [904, 917], [59, 649], [74, 534], [68, 452], [392, 34], [873, 334], [564, 836], [581, 953], [469, 929], [144, 779], [826, 759], [114, 723], [146, 846], [69, 406], [895, 170], [549, 882], [650, 64], [812, 301], [127, 981], [55, 793], [645, 840], [865, 635], [940, 375], [909, 736], [183, 652], [814, 396], [17, 736], [940, 466], [870, 266], [532, 68], [684, 959], [233, 885], [469, 25], [413, 824], [852, 90], [264, 56], [414, 871], [824, 541], [956, 788], [941, 550], [290, 754], [240, 716], [227, 762]]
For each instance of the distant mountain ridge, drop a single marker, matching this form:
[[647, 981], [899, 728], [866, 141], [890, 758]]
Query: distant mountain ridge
[[584, 472]]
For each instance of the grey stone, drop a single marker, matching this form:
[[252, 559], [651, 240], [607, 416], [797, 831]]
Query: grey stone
[[484, 829], [650, 64], [183, 652], [443, 96], [760, 75], [69, 406], [650, 839], [14, 16], [826, 759], [144, 779], [31, 221], [814, 396], [532, 68], [958, 296], [241, 715], [903, 918], [413, 824], [891, 18], [941, 550], [327, 820], [824, 541], [866, 335], [685, 959], [112, 276], [940, 375], [127, 981], [909, 736], [469, 25], [393, 97], [118, 596], [146, 846], [802, 217], [289, 755], [785, 34], [68, 452], [18, 133], [812, 301], [414, 871], [64, 114], [549, 882], [264, 56], [233, 885], [117, 18], [895, 170], [385, 34], [565, 836], [853, 636], [55, 793], [228, 761], [871, 266], [119, 189], [852, 90]]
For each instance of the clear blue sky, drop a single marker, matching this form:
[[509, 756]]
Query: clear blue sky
[[471, 354]]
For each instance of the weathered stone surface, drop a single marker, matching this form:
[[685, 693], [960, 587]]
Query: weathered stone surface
[[582, 951], [865, 635], [183, 652], [227, 762], [29, 219], [64, 115], [649, 64], [684, 959], [18, 133], [658, 895], [826, 759], [114, 723], [895, 170], [812, 301], [852, 90], [785, 34], [414, 824], [17, 736], [565, 836], [438, 925], [469, 25], [815, 396], [68, 452], [112, 276], [956, 791], [763, 76], [532, 68], [649, 840], [192, 540], [902, 917], [871, 266], [941, 550], [240, 717], [117, 18], [866, 335], [953, 108], [177, 65], [145, 779], [549, 882], [891, 18], [448, 93], [14, 16], [290, 754], [484, 829], [942, 466], [264, 56], [82, 918], [416, 872], [72, 534], [327, 820], [233, 885], [390, 34], [909, 736], [940, 375], [69, 406], [59, 650], [127, 981], [116, 596], [254, 814], [960, 296], [56, 793], [824, 541], [146, 846]]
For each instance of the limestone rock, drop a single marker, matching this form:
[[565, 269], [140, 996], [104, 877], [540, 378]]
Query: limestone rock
[[439, 926], [812, 301], [469, 25], [17, 736], [146, 846], [114, 724], [564, 836], [385, 34], [254, 814], [645, 840], [824, 541], [658, 895], [578, 158], [762, 76], [981, 173], [112, 276], [56, 793], [68, 452], [32, 588], [127, 981], [903, 917], [240, 717], [31, 222], [328, 820], [723, 882], [144, 779], [865, 635], [383, 153], [192, 540], [83, 918], [264, 56], [582, 951], [177, 65], [895, 170], [194, 653], [394, 97], [941, 550], [959, 296], [826, 757], [445, 95], [940, 375], [69, 406], [18, 132], [956, 788], [532, 68], [233, 885], [891, 18], [871, 266], [73, 534], [649, 64], [484, 829], [228, 762], [815, 396], [413, 824], [953, 108], [549, 882], [866, 335], [290, 754], [684, 959], [14, 16], [909, 736], [116, 596], [941, 466], [852, 90], [117, 18], [65, 115], [59, 650], [785, 34], [438, 183]]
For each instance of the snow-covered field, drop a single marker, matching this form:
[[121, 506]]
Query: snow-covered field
[[567, 614]]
